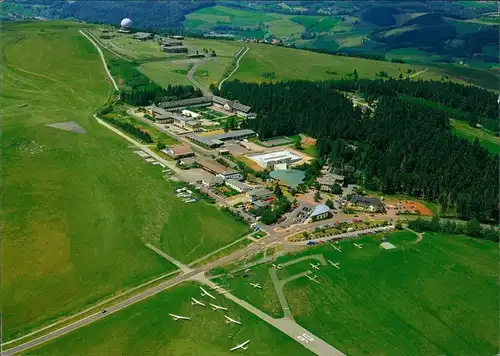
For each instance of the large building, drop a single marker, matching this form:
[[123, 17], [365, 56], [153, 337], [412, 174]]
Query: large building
[[259, 194], [160, 115], [125, 25], [320, 212], [174, 49], [232, 106], [276, 160], [182, 104], [367, 204], [178, 151], [240, 187], [186, 122], [328, 180], [214, 141], [218, 170]]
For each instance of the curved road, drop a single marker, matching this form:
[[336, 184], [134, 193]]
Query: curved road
[[235, 69], [190, 77], [102, 59]]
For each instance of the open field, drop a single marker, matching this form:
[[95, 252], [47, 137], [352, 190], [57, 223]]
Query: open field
[[125, 45], [273, 23], [485, 138], [74, 228], [418, 298], [212, 71], [147, 329], [166, 73], [288, 64], [221, 48]]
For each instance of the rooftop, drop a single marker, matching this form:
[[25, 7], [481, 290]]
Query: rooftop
[[215, 167], [185, 102], [237, 183], [320, 209], [330, 179], [218, 138], [260, 192], [358, 199]]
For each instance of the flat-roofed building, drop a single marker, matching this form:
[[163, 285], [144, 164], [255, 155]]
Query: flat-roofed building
[[217, 140], [170, 43], [240, 187], [190, 113], [218, 170], [259, 194], [174, 49], [184, 103], [272, 159], [143, 36], [178, 151]]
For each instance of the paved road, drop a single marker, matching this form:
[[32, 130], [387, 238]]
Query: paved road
[[190, 77], [343, 236], [235, 69], [180, 265], [92, 318], [102, 59], [287, 326]]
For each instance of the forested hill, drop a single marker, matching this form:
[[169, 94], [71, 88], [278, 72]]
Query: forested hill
[[145, 14], [403, 147]]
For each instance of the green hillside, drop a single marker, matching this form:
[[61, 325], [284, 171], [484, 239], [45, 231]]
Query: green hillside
[[77, 208]]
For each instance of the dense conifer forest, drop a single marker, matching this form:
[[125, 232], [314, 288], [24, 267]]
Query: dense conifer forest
[[401, 147]]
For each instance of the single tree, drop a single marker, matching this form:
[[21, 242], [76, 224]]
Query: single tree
[[317, 196]]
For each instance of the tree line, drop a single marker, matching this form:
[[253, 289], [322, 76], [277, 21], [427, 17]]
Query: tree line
[[127, 126], [472, 99], [403, 147], [473, 228], [154, 93]]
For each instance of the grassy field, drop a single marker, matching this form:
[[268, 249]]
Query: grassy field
[[167, 73], [486, 139], [273, 23], [147, 329], [325, 25], [417, 299], [74, 227], [290, 64], [129, 47], [212, 71]]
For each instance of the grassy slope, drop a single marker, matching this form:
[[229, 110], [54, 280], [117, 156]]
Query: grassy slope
[[167, 73], [75, 226], [212, 71], [417, 299], [289, 64], [146, 329], [279, 24], [486, 139]]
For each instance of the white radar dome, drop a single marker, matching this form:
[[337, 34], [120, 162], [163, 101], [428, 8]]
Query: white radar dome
[[126, 23]]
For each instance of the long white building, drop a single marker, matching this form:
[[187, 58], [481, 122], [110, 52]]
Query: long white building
[[278, 159]]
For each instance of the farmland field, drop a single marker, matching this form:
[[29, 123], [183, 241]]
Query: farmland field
[[78, 208], [147, 329], [418, 298]]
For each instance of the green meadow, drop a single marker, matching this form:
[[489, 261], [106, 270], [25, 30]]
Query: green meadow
[[292, 64], [147, 329], [485, 138], [438, 296], [273, 23], [77, 209], [166, 73]]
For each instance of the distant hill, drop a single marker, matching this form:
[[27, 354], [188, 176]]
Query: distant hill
[[427, 20], [381, 16]]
